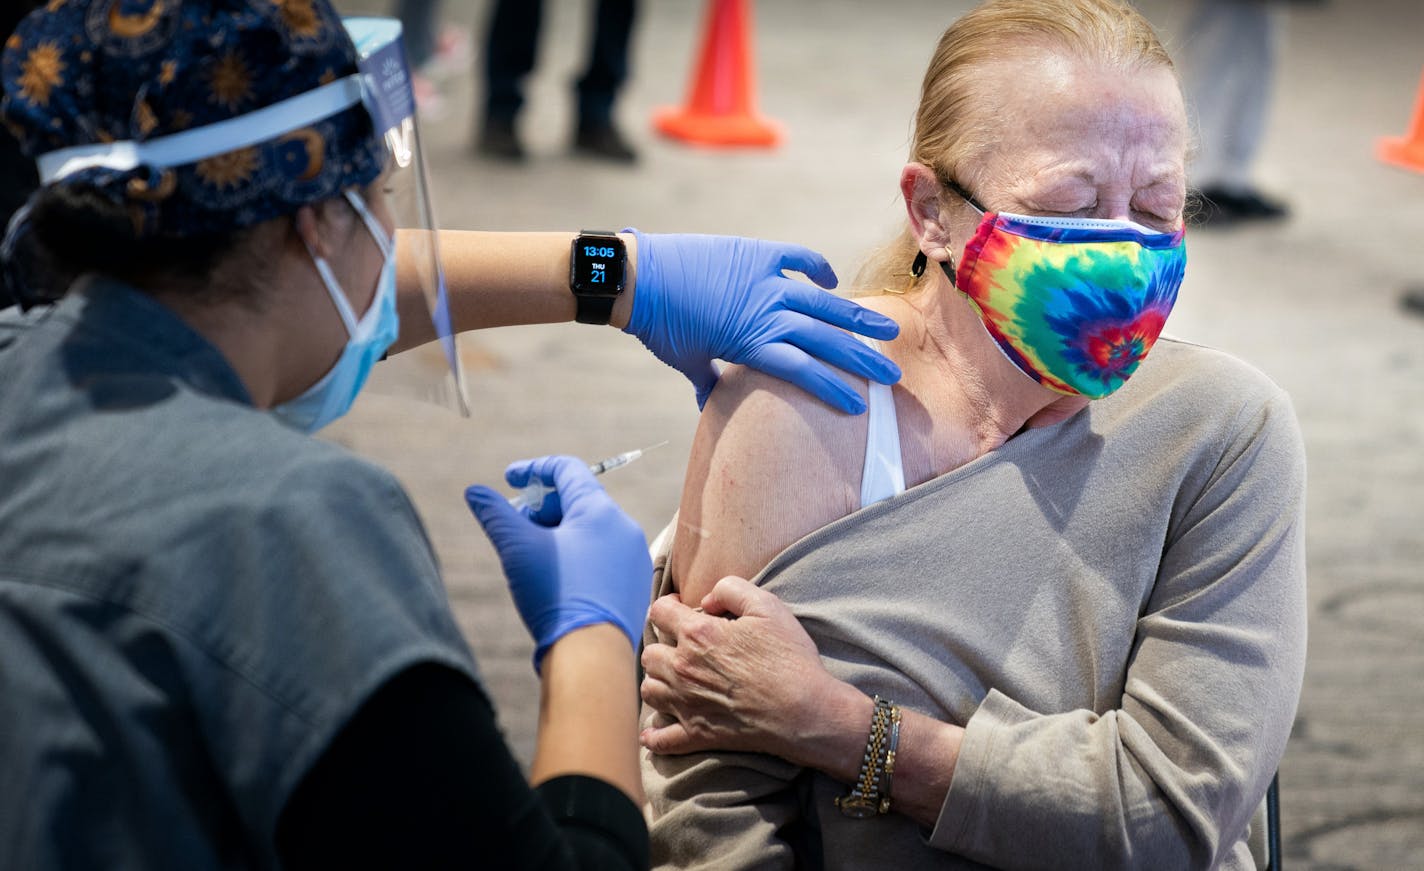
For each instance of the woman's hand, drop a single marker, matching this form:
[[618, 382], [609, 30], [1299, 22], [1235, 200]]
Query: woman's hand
[[755, 683], [702, 298], [741, 675]]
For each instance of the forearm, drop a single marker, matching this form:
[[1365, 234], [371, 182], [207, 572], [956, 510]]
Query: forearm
[[833, 742], [588, 711], [494, 280]]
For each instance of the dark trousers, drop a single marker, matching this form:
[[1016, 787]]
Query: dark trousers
[[512, 44], [419, 23]]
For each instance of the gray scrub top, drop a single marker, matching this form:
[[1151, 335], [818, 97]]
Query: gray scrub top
[[194, 598]]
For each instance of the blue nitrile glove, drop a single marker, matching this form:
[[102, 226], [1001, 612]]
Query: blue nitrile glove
[[577, 561], [703, 298]]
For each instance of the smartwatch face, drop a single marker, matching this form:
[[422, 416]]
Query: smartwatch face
[[598, 265]]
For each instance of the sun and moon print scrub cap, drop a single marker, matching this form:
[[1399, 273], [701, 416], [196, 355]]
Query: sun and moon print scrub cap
[[92, 72], [200, 118]]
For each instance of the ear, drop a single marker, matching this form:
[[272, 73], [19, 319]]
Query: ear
[[921, 190], [321, 225], [307, 225]]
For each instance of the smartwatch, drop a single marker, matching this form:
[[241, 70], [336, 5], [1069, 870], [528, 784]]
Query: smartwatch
[[597, 263]]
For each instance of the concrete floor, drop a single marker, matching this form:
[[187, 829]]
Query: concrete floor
[[1313, 302]]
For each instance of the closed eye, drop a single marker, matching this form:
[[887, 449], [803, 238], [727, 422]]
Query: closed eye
[[1158, 221]]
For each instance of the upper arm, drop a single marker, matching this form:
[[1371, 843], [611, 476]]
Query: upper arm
[[769, 464]]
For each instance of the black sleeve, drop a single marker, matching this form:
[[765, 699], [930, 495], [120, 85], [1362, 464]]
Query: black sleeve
[[421, 778]]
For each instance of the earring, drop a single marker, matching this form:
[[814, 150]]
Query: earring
[[917, 268]]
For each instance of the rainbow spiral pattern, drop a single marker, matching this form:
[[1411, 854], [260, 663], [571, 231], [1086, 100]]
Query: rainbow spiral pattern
[[1075, 305]]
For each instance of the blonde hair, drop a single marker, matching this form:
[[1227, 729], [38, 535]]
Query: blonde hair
[[952, 128]]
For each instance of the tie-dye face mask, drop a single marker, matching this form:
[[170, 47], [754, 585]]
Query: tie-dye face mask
[[1075, 303]]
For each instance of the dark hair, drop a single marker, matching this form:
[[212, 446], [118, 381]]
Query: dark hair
[[77, 231], [18, 178]]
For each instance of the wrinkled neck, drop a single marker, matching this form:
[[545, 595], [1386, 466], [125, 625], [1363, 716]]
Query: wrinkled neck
[[968, 371]]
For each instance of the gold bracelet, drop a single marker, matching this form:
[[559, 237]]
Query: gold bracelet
[[892, 745]]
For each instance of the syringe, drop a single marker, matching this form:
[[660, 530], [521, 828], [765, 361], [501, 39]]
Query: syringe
[[532, 494]]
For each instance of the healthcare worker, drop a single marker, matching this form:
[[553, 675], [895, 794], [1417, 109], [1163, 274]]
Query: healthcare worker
[[224, 643]]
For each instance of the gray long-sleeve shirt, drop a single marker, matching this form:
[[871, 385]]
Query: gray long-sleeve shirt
[[1113, 608], [194, 598]]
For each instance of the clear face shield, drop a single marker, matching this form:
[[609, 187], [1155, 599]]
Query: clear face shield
[[382, 86], [432, 371]]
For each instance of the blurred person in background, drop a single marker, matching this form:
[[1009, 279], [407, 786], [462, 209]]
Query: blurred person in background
[[225, 643], [511, 45], [1230, 52], [1044, 605], [432, 50]]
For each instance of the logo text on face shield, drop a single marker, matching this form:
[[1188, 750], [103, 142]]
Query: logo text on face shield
[[401, 142], [388, 94]]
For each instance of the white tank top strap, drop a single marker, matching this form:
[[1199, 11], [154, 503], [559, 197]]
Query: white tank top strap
[[884, 474]]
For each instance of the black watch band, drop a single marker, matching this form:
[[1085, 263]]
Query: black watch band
[[594, 309], [597, 265]]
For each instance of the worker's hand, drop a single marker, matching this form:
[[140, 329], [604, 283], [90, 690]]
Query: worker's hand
[[702, 298], [576, 562]]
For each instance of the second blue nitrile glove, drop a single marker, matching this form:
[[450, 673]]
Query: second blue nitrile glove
[[704, 298], [577, 561]]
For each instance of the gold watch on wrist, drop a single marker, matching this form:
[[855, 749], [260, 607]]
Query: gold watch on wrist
[[870, 796]]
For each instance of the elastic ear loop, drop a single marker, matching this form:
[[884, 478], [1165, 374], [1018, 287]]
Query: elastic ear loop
[[333, 290], [385, 243], [328, 278]]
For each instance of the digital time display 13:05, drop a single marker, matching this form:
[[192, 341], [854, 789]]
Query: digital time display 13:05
[[597, 266]]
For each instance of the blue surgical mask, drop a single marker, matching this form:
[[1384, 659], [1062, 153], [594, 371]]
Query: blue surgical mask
[[368, 338]]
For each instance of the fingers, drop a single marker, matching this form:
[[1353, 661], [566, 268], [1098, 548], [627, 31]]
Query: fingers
[[703, 378], [572, 478], [838, 348], [517, 473], [495, 514], [840, 312], [569, 476], [669, 615], [670, 739], [664, 733], [656, 660], [807, 262], [736, 597], [792, 364]]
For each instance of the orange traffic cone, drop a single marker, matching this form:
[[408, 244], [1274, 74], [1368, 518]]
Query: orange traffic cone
[[721, 104], [1407, 150]]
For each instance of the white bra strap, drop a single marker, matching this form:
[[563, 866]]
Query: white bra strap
[[883, 475]]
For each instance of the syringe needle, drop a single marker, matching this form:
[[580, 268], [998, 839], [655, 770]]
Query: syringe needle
[[532, 494]]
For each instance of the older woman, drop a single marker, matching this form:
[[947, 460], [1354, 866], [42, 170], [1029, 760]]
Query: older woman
[[1043, 606]]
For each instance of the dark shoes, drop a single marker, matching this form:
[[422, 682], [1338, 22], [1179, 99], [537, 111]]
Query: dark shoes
[[499, 141], [1412, 301], [1218, 207], [603, 142]]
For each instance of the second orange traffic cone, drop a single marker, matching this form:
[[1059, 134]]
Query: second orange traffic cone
[[1407, 150], [721, 102]]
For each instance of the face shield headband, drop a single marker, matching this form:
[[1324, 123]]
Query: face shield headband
[[382, 87]]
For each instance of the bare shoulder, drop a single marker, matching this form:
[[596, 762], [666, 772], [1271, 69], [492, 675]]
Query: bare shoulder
[[769, 464]]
